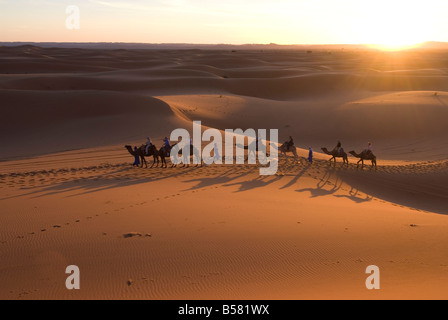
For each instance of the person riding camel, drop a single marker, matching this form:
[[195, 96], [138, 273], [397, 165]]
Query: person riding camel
[[369, 150], [290, 143], [338, 149], [148, 145], [166, 145]]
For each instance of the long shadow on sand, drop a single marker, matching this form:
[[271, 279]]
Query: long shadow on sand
[[259, 182], [86, 185], [326, 187], [220, 179], [247, 184], [422, 192]]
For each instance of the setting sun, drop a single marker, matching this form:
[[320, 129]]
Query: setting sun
[[396, 25], [388, 25]]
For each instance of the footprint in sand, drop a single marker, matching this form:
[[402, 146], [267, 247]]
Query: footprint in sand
[[132, 235]]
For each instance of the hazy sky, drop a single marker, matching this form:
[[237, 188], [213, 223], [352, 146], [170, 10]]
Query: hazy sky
[[392, 22]]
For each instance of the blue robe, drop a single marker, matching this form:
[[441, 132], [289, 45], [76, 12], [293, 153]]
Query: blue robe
[[137, 159]]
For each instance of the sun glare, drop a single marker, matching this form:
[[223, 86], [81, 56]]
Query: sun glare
[[396, 25]]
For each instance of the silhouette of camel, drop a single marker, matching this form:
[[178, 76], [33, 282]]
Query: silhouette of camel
[[165, 152], [141, 152], [336, 154], [292, 149], [253, 148], [364, 156]]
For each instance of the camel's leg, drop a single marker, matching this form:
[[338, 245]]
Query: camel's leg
[[153, 162], [143, 161], [286, 158], [296, 156], [299, 160]]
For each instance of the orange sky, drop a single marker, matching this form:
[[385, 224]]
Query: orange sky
[[392, 23]]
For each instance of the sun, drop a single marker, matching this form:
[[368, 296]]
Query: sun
[[395, 25]]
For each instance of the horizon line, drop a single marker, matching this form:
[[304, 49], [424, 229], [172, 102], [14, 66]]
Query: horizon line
[[213, 44]]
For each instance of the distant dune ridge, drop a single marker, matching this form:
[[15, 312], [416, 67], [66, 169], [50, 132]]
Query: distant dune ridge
[[69, 194], [395, 100], [223, 46]]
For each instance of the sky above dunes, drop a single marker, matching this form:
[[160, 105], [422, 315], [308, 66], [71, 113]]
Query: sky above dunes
[[387, 22]]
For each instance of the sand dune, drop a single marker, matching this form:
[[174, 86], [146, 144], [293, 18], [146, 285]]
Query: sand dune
[[69, 194], [49, 121]]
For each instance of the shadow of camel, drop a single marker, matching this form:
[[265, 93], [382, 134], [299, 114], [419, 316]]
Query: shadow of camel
[[325, 187]]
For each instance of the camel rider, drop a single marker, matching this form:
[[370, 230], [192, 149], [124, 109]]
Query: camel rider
[[166, 146], [369, 149], [148, 145], [166, 143], [338, 148], [290, 143]]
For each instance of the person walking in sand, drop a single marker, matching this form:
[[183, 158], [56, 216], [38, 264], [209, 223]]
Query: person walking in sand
[[310, 155], [136, 158], [216, 151]]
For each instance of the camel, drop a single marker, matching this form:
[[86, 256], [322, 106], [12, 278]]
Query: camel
[[336, 154], [253, 148], [284, 150], [165, 151], [364, 156], [142, 153]]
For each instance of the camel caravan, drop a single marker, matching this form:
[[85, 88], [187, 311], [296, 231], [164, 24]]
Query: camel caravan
[[160, 155]]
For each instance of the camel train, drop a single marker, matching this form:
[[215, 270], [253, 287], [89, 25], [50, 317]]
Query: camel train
[[159, 155]]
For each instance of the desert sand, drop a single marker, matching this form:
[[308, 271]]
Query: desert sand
[[70, 196]]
